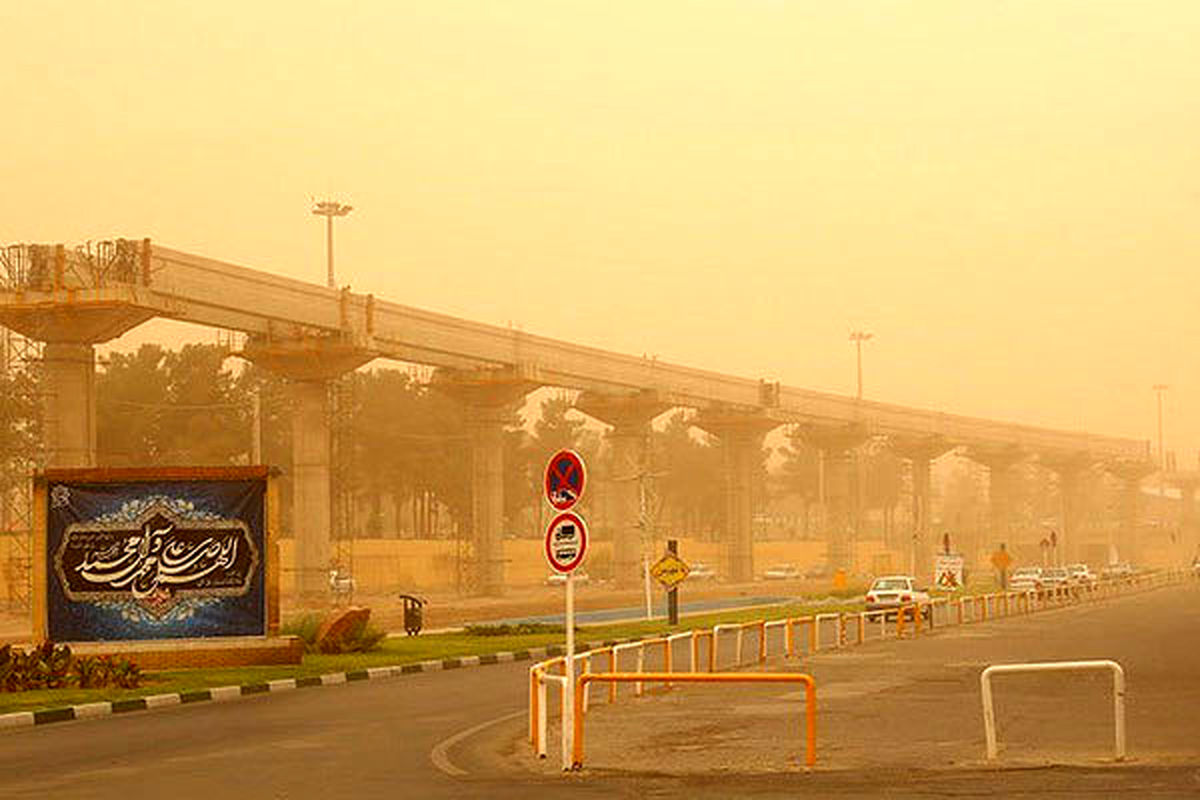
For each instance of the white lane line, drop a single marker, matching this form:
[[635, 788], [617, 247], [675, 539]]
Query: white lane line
[[438, 755]]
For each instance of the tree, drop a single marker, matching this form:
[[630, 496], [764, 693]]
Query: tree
[[155, 406], [693, 500], [801, 472]]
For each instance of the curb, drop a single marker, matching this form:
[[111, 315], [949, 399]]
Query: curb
[[219, 694]]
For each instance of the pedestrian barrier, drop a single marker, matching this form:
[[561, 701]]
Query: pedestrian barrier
[[818, 619], [810, 699], [989, 716], [968, 609]]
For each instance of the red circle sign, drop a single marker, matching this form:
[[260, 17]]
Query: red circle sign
[[566, 542], [564, 479]]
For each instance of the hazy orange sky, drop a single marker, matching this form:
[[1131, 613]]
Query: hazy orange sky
[[1006, 193]]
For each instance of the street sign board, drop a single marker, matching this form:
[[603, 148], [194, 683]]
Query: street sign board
[[670, 571], [564, 479], [566, 542], [948, 572]]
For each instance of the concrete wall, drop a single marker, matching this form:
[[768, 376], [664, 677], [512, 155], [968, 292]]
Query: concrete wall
[[424, 565]]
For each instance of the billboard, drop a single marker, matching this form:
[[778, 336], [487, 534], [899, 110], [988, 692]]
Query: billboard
[[152, 554]]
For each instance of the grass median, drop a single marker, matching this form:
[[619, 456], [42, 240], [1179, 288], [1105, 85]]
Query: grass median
[[398, 651]]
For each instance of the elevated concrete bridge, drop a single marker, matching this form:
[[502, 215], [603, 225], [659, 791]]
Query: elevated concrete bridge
[[72, 299]]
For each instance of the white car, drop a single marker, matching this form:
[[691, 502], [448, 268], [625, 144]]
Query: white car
[[783, 572], [1024, 579], [1081, 574], [702, 572], [1056, 577], [892, 591]]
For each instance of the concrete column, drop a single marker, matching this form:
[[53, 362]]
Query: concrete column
[[741, 435], [1069, 545], [742, 451], [921, 452], [311, 518], [488, 396], [486, 424], [1070, 469], [630, 417], [1131, 474], [1127, 541], [69, 407], [837, 464], [838, 488], [999, 463], [1187, 518]]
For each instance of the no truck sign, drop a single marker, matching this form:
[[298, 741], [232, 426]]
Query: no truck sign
[[566, 542]]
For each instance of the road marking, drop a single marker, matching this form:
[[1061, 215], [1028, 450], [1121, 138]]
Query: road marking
[[438, 755]]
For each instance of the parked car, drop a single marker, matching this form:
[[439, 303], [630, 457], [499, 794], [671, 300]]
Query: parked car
[[1081, 574], [817, 571], [702, 572], [1122, 570], [890, 592], [559, 578], [1055, 577], [1024, 579], [783, 572]]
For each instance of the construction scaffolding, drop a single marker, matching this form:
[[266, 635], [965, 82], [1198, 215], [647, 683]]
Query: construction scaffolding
[[20, 455]]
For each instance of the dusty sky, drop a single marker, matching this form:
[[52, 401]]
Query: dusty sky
[[1006, 193]]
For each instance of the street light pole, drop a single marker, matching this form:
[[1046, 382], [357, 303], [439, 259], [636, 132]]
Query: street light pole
[[1159, 388], [858, 337], [330, 209]]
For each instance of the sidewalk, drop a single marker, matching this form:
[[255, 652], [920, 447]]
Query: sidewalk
[[904, 708]]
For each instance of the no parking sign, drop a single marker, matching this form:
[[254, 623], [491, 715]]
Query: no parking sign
[[564, 479]]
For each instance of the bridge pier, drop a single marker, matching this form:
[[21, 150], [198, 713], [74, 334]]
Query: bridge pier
[[999, 462], [921, 452], [838, 494], [489, 398], [741, 435], [1131, 474], [1069, 468], [69, 404], [1187, 515], [310, 364], [630, 418]]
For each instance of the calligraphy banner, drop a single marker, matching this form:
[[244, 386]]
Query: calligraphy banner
[[155, 559]]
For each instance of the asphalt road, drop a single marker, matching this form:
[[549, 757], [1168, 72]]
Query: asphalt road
[[460, 733]]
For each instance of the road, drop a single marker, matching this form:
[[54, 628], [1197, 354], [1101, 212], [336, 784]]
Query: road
[[460, 733]]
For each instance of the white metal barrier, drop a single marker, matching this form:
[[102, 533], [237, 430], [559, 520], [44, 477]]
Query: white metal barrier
[[817, 620], [540, 674], [989, 715]]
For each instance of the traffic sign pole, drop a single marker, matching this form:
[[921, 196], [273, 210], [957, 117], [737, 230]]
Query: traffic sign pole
[[673, 593], [568, 695]]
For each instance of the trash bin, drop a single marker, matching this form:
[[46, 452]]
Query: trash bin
[[413, 614]]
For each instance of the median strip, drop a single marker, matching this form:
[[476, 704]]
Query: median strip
[[97, 710]]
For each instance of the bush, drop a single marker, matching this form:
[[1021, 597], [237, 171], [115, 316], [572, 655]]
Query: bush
[[53, 666], [361, 638], [519, 629], [306, 627]]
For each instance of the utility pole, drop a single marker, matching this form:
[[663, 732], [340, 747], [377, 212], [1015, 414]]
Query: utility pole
[[1159, 388], [330, 209], [858, 337]]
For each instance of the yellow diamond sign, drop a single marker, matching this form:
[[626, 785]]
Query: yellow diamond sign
[[670, 571]]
